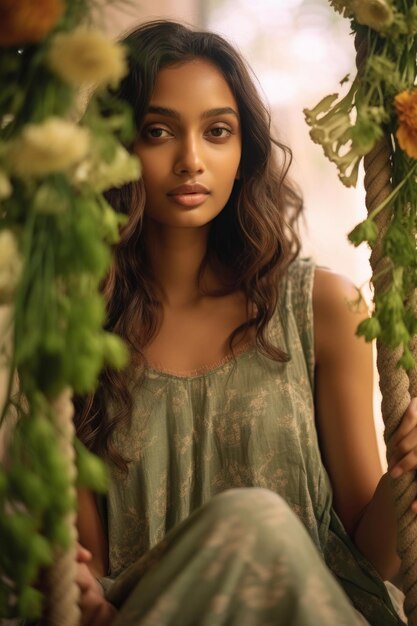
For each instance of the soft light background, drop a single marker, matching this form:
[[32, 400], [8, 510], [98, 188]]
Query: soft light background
[[299, 50]]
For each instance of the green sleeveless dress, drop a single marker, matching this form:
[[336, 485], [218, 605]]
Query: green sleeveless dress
[[246, 423]]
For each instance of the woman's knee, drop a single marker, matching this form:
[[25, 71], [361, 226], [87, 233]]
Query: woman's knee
[[250, 503], [258, 514], [249, 526]]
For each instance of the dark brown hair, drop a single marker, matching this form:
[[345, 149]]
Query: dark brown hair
[[253, 236]]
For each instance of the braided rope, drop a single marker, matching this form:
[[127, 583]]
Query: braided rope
[[413, 374], [60, 587], [394, 382]]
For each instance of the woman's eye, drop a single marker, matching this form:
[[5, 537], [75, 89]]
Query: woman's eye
[[220, 132], [156, 132]]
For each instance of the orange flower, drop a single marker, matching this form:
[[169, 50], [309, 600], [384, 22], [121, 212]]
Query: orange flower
[[406, 107], [25, 21]]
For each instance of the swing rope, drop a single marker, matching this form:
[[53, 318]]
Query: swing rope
[[61, 591], [396, 385]]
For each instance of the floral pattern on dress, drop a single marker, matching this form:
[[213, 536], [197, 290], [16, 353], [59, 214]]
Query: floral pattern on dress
[[246, 423]]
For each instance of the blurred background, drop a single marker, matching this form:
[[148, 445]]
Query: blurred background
[[299, 51]]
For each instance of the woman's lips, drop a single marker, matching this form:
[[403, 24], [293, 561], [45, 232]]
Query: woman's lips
[[188, 199]]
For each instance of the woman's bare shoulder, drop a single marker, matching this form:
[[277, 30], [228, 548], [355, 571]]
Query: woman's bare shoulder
[[338, 307]]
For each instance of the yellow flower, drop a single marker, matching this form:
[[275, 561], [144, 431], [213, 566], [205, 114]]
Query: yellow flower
[[51, 146], [377, 14], [26, 21], [406, 106], [10, 265], [87, 57]]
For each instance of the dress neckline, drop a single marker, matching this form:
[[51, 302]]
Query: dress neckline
[[244, 350]]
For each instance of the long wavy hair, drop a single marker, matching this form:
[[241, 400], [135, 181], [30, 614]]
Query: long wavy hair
[[254, 236]]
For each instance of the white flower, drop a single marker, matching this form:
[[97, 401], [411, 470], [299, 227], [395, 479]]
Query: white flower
[[377, 14], [5, 186], [51, 146], [101, 175], [10, 265], [86, 57]]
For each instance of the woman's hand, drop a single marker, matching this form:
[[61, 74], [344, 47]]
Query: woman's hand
[[403, 445], [95, 610]]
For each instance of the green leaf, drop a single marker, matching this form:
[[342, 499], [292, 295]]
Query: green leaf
[[30, 603], [407, 360], [92, 472], [370, 329], [115, 352], [365, 231], [29, 489]]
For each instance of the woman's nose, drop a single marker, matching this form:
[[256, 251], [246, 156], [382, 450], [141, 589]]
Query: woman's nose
[[190, 158]]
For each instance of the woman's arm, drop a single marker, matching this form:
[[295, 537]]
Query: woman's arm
[[344, 415], [92, 562], [90, 532], [95, 610]]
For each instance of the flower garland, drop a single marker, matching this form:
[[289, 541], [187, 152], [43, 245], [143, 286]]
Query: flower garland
[[56, 234], [381, 100]]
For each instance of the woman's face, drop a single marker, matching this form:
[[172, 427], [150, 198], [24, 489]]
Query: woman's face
[[189, 146]]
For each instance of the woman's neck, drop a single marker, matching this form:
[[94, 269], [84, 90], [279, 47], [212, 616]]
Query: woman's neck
[[175, 255]]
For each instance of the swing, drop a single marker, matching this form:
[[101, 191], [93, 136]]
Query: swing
[[396, 385]]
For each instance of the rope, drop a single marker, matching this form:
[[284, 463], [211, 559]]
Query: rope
[[413, 373], [61, 590], [394, 382]]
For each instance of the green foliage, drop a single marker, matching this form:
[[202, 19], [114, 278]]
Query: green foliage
[[365, 231], [91, 472], [381, 101], [57, 231]]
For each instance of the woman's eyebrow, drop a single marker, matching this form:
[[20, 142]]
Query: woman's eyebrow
[[220, 111], [163, 111], [207, 114]]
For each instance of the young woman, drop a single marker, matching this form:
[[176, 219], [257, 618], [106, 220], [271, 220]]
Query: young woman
[[245, 481]]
